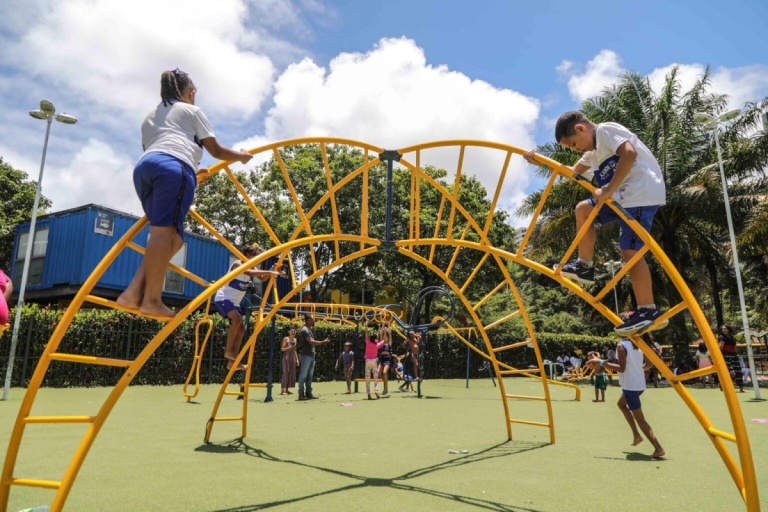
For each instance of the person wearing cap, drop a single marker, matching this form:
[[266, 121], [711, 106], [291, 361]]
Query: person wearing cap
[[347, 358], [307, 343]]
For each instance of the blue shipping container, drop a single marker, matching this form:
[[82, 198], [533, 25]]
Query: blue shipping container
[[70, 244]]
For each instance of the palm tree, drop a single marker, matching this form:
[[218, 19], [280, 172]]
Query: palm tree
[[691, 227]]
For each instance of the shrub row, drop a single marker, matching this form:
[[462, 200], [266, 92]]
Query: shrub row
[[120, 335]]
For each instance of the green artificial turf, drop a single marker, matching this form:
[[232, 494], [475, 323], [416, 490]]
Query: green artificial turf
[[390, 454]]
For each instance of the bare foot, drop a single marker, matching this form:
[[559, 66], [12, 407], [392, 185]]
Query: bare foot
[[230, 356], [377, 394], [128, 301], [241, 366], [596, 400], [637, 441], [158, 309], [658, 454]]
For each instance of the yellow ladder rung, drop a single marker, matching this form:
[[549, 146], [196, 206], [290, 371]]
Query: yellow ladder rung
[[526, 397], [59, 419], [526, 422], [234, 393], [514, 345], [114, 305], [257, 385], [104, 361], [720, 433], [503, 319], [516, 372], [701, 372], [34, 482], [228, 418]]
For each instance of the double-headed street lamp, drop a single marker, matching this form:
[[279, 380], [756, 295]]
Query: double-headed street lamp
[[47, 112], [612, 266], [712, 123]]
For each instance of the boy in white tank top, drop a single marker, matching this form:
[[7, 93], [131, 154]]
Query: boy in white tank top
[[631, 367]]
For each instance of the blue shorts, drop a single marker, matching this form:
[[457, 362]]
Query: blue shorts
[[632, 398], [166, 188], [628, 239], [225, 306]]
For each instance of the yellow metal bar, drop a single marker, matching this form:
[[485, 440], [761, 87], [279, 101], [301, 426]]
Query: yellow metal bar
[[518, 372], [495, 200], [189, 275], [194, 371], [544, 195], [262, 220], [334, 210], [502, 319], [722, 434], [438, 220], [34, 482], [455, 196], [59, 419], [213, 231], [114, 305], [103, 361], [474, 273], [456, 252], [526, 397], [534, 423], [513, 345], [701, 372], [488, 296], [364, 206], [581, 234]]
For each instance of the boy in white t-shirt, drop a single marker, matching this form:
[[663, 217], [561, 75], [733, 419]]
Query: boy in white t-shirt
[[627, 171]]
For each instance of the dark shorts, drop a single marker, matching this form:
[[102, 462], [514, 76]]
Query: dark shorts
[[628, 239], [632, 398], [225, 306], [385, 360], [166, 187], [601, 382]]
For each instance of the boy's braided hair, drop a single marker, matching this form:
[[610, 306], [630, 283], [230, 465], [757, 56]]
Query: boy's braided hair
[[173, 84]]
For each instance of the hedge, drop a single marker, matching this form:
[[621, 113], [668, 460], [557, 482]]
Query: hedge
[[120, 335]]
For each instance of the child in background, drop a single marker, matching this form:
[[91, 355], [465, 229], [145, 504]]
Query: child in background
[[347, 358], [397, 367], [702, 357], [6, 289], [601, 380], [371, 363]]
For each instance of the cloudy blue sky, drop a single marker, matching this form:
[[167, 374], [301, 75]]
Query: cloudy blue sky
[[392, 73]]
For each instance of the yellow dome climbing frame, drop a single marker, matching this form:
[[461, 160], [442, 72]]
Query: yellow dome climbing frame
[[452, 218]]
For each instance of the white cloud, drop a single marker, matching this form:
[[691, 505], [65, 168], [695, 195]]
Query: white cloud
[[391, 97], [113, 52], [601, 72], [741, 84]]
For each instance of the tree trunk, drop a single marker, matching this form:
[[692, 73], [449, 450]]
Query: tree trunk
[[716, 289]]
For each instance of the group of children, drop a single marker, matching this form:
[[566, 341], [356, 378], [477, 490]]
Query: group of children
[[379, 360]]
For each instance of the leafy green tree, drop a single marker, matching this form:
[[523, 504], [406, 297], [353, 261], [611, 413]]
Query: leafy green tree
[[17, 195]]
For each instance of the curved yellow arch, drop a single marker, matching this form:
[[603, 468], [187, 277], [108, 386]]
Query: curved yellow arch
[[474, 237]]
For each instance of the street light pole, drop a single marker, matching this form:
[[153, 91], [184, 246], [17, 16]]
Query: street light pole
[[46, 113], [711, 122]]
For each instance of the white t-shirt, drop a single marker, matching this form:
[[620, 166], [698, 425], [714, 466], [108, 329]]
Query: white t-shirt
[[177, 131], [644, 185], [235, 290], [633, 376]]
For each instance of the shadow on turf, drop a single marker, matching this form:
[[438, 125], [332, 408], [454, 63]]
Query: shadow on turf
[[504, 449]]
